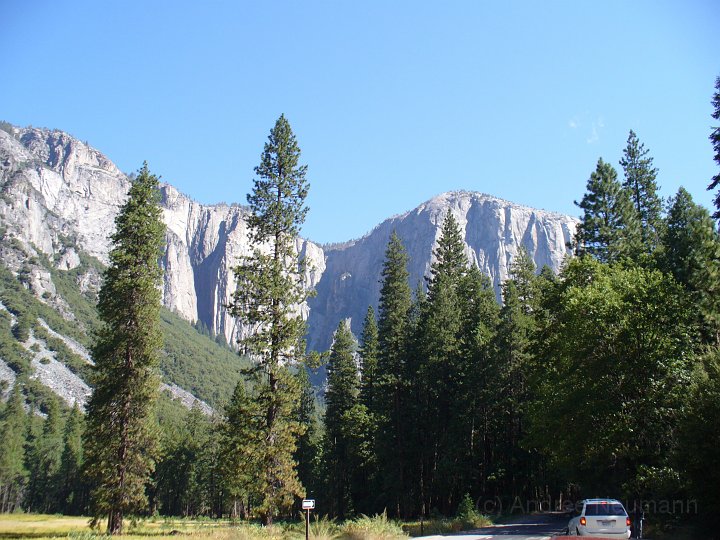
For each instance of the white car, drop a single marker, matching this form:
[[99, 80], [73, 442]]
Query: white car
[[605, 518]]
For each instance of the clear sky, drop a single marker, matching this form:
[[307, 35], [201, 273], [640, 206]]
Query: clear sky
[[392, 102]]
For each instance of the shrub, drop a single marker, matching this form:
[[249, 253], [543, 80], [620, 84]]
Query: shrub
[[376, 527], [468, 517], [320, 529]]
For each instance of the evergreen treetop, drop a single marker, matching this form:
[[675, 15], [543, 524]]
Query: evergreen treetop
[[369, 352], [395, 301], [277, 202], [715, 140], [640, 182], [608, 230], [451, 263]]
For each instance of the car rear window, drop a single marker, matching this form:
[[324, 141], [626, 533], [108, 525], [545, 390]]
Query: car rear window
[[607, 509]]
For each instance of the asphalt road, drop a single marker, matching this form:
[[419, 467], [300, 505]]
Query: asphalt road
[[539, 527]]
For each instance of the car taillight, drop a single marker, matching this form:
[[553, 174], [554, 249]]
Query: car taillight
[[628, 522], [583, 521]]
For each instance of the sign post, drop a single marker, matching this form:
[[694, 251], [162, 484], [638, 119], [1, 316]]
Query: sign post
[[307, 505]]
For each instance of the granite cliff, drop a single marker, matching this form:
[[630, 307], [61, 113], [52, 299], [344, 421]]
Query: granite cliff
[[60, 197], [493, 230]]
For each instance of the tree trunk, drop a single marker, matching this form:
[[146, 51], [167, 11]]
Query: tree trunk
[[115, 522]]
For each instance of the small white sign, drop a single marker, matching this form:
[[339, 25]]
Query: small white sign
[[308, 504]]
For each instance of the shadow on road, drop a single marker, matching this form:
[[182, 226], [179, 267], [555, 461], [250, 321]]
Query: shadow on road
[[518, 528]]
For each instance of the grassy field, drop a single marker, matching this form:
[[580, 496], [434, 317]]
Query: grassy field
[[57, 526], [35, 526]]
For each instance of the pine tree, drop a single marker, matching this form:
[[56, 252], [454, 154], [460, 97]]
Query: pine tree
[[73, 492], [269, 289], [369, 352], [341, 395], [691, 253], [44, 460], [241, 439], [451, 263], [389, 410], [640, 175], [210, 471], [715, 139], [441, 369], [13, 475], [179, 489], [199, 430], [365, 420], [608, 230], [308, 452], [513, 354], [480, 312], [120, 444]]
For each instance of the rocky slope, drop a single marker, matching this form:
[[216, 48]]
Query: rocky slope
[[60, 197]]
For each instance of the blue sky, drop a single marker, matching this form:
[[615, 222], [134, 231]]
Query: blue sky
[[392, 102]]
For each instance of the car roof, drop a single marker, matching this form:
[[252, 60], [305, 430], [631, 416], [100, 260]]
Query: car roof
[[601, 501]]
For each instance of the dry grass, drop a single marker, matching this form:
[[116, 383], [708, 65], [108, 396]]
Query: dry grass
[[36, 526], [39, 527]]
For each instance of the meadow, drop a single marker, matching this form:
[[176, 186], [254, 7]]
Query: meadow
[[43, 526]]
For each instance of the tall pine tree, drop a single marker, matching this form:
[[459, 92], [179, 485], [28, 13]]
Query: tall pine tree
[[509, 378], [241, 439], [390, 399], [307, 454], [480, 312], [369, 353], [640, 175], [269, 289], [442, 370], [120, 445]]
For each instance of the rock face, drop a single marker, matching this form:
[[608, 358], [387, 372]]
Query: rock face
[[59, 195], [493, 231]]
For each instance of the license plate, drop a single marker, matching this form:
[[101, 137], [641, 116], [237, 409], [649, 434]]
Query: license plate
[[607, 523]]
